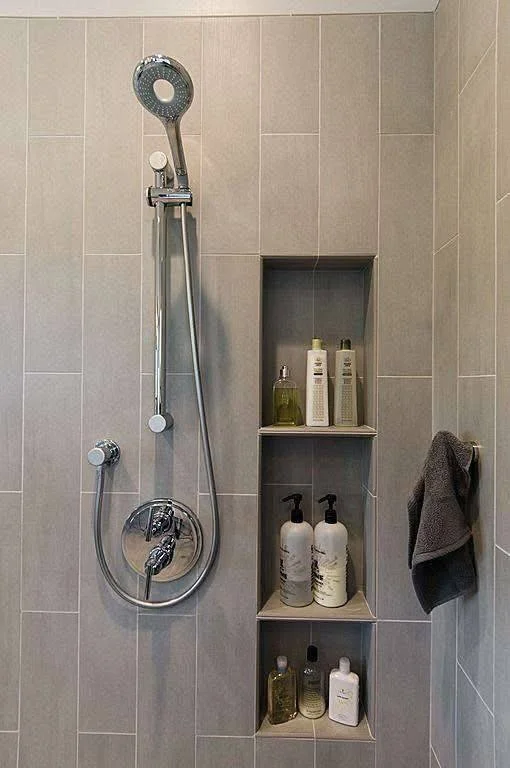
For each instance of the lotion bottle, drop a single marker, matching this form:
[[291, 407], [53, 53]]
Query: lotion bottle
[[296, 540], [311, 696], [317, 414], [281, 693], [346, 401], [330, 558], [344, 694]]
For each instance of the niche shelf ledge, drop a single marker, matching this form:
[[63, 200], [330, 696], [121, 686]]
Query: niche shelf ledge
[[356, 609], [303, 431], [322, 728]]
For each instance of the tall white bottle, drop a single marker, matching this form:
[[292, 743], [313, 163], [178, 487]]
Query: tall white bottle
[[296, 540], [317, 414], [330, 558], [346, 401], [344, 694]]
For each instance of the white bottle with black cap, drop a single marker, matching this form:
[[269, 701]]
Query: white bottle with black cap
[[330, 558], [345, 413], [296, 539]]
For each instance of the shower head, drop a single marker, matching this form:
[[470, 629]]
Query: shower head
[[146, 77]]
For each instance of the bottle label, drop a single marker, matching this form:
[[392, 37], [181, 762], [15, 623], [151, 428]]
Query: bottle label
[[295, 577], [328, 573]]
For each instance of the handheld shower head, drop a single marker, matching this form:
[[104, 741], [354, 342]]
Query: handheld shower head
[[148, 73]]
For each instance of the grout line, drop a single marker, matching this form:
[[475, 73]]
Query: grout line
[[22, 508], [11, 491], [298, 133], [16, 731], [496, 425], [433, 336], [473, 73], [502, 550], [204, 493], [448, 242], [58, 613], [53, 373], [383, 133], [385, 376], [113, 493], [112, 255], [489, 710], [498, 201], [168, 373], [404, 621], [477, 375], [106, 733], [455, 694]]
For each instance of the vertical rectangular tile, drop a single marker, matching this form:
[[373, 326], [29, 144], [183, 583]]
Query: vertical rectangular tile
[[444, 362], [11, 370], [407, 72], [403, 664], [503, 99], [230, 358], [9, 749], [56, 77], [54, 255], [288, 218], [349, 125], [476, 241], [476, 614], [48, 690], [112, 137], [331, 754], [10, 551], [289, 91], [13, 104], [166, 691], [475, 746], [406, 256], [370, 548], [296, 752], [501, 667], [446, 121], [182, 40], [231, 79], [51, 492], [442, 683], [212, 752], [107, 680], [226, 671], [402, 447], [503, 375], [96, 750], [111, 365], [477, 30]]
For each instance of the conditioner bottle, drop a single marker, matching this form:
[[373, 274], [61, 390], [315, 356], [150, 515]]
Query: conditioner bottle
[[317, 414], [344, 694], [296, 540], [330, 558], [346, 402]]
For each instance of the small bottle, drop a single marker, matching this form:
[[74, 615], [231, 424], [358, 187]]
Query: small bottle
[[344, 694], [317, 414], [311, 696], [296, 540], [281, 693], [346, 401], [330, 558], [285, 399]]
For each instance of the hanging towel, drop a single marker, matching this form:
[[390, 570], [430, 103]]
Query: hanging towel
[[441, 555]]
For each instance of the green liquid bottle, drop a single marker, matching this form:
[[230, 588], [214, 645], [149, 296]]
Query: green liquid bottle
[[281, 693], [285, 400]]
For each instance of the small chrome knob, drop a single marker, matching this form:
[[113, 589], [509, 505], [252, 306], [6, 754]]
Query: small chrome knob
[[103, 452], [158, 422], [158, 161], [96, 456]]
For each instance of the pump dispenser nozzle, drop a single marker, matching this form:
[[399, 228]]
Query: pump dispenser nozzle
[[330, 516], [296, 514]]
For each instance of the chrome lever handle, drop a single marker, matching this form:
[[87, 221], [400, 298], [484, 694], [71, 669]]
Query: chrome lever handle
[[148, 581]]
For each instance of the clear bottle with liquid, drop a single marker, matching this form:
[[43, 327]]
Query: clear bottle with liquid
[[311, 694], [281, 693], [285, 400]]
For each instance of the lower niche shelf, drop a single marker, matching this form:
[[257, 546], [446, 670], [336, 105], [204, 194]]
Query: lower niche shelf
[[322, 728], [356, 609]]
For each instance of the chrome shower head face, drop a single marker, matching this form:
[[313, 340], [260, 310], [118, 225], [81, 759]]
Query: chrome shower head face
[[146, 83]]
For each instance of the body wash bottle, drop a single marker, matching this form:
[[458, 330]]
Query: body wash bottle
[[344, 694], [317, 414], [346, 401], [281, 693], [330, 558], [285, 399], [296, 539], [311, 696]]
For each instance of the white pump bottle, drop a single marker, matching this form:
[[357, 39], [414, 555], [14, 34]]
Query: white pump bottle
[[330, 558], [296, 539]]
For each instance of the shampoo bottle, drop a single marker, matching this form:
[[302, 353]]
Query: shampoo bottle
[[296, 540], [345, 404], [317, 414], [344, 694], [311, 696], [285, 399], [330, 558], [281, 693]]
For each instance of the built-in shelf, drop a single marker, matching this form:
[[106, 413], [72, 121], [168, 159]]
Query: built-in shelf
[[362, 431], [356, 609], [322, 728]]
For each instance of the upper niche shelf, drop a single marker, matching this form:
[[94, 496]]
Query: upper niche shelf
[[362, 431], [356, 609]]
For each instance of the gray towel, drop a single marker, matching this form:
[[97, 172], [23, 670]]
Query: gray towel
[[441, 555]]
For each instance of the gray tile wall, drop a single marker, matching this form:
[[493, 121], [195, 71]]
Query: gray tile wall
[[355, 133], [470, 367]]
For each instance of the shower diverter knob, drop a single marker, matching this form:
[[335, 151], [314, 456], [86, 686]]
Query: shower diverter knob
[[158, 161], [103, 452]]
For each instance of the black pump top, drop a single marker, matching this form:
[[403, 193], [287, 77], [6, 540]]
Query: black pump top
[[330, 515], [296, 514], [312, 653]]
